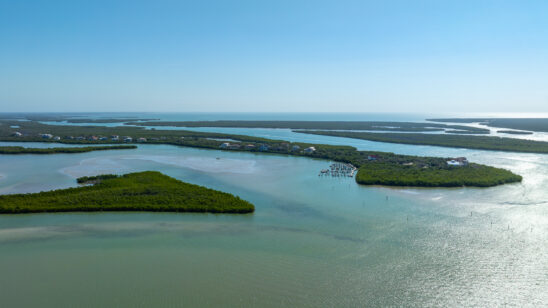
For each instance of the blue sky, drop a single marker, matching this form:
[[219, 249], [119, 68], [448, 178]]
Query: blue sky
[[280, 56]]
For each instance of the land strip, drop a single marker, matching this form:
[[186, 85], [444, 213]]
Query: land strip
[[528, 124], [23, 150], [452, 141], [331, 125]]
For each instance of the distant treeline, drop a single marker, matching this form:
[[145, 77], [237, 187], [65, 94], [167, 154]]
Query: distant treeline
[[105, 120], [22, 150], [453, 141], [335, 125], [532, 124], [70, 118], [514, 132], [144, 191]]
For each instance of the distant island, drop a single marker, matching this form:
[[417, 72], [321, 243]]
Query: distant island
[[452, 141], [527, 124], [148, 191], [514, 132], [72, 150], [330, 125]]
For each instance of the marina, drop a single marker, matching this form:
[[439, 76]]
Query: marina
[[339, 170]]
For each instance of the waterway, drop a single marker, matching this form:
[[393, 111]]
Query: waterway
[[312, 242]]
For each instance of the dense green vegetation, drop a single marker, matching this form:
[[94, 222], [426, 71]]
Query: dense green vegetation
[[143, 191], [514, 132], [105, 120], [443, 140], [389, 169], [336, 125], [532, 124], [488, 177], [22, 150], [433, 174], [31, 131], [95, 179]]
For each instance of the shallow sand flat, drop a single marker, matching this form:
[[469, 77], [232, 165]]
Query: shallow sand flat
[[126, 229], [95, 166], [205, 164]]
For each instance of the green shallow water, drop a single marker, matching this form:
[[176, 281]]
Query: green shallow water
[[312, 242]]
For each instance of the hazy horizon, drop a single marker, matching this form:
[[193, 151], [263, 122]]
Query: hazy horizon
[[283, 56]]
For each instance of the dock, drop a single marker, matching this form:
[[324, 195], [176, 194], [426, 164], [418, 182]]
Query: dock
[[339, 170]]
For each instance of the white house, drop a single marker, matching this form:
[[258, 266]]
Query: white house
[[459, 161], [310, 150]]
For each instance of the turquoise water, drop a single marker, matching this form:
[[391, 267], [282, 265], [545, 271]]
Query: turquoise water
[[312, 242]]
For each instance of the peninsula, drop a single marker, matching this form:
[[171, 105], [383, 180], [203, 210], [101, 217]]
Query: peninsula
[[452, 141], [526, 124], [23, 150], [148, 191]]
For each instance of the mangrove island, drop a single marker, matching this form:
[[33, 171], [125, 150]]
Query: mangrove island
[[142, 191]]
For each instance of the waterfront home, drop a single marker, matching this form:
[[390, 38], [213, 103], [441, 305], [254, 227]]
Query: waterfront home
[[459, 161], [295, 148], [310, 150], [46, 136], [93, 138], [56, 138], [250, 147], [69, 137], [80, 138], [234, 146], [103, 138], [264, 147], [17, 134], [224, 145], [142, 139], [128, 139], [115, 138]]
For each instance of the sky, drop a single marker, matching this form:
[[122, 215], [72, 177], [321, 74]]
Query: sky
[[274, 56]]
